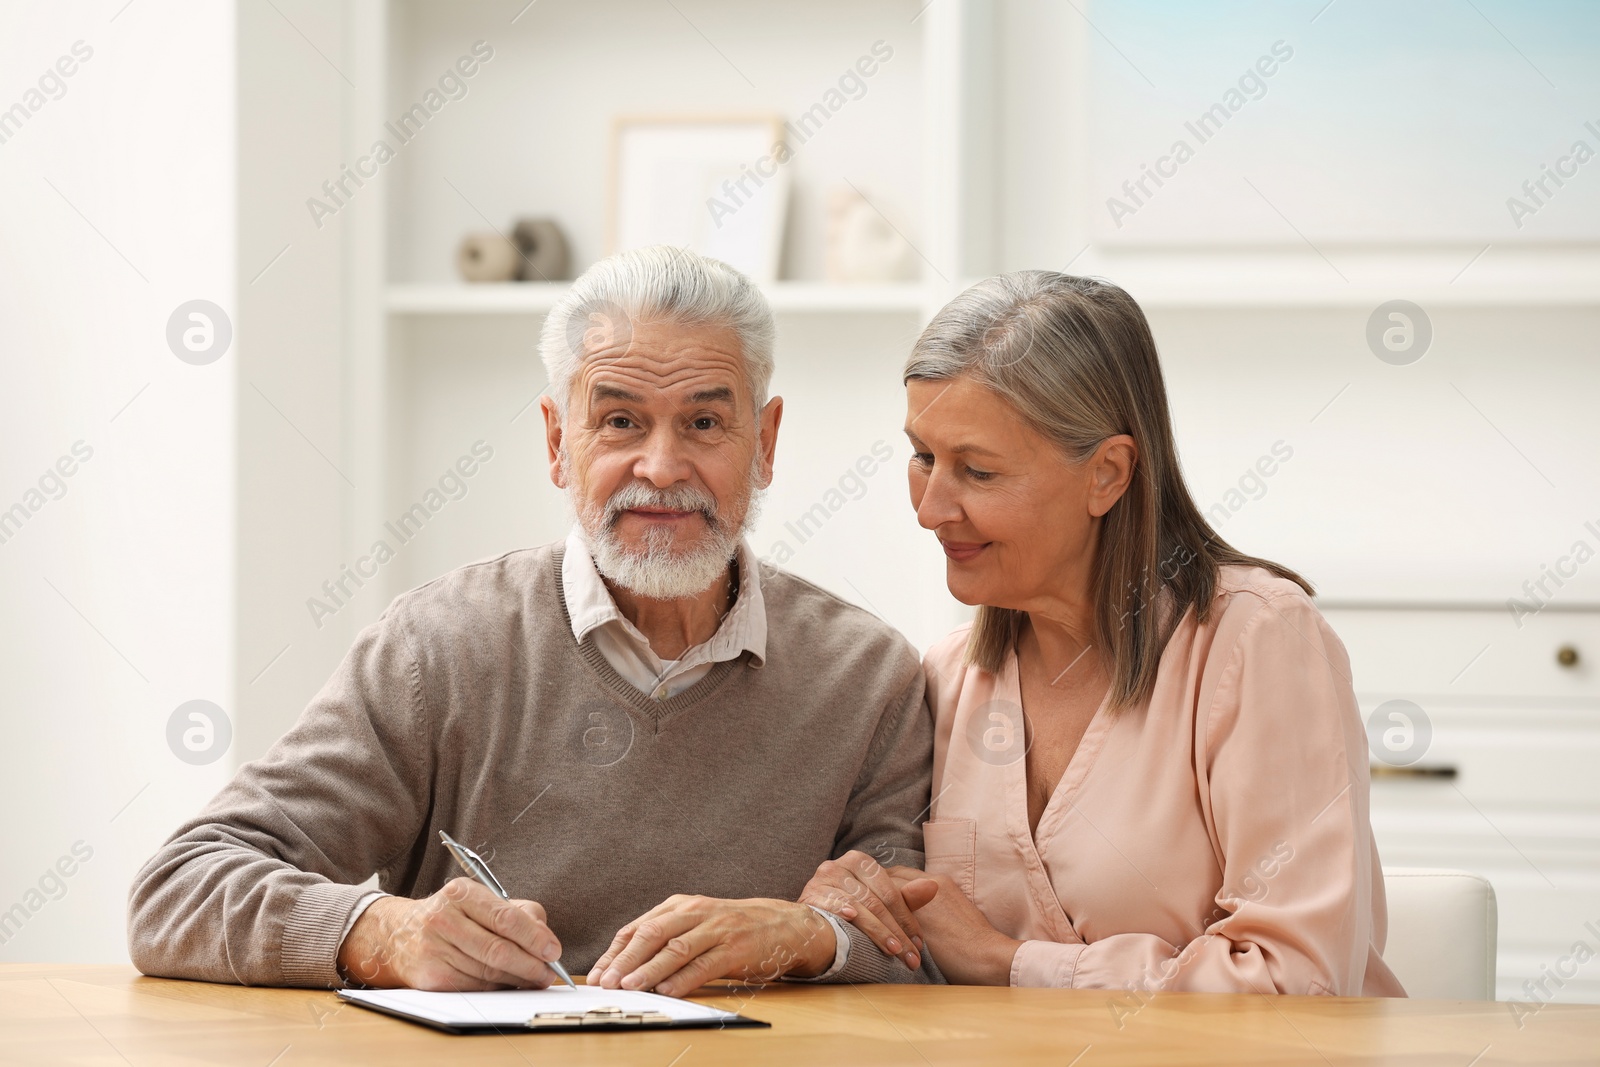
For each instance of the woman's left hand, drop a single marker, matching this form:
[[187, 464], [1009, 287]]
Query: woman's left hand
[[967, 949]]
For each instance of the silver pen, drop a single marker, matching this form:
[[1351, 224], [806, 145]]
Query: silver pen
[[473, 864]]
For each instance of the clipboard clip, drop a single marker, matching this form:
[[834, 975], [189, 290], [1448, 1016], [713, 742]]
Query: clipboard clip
[[572, 1020]]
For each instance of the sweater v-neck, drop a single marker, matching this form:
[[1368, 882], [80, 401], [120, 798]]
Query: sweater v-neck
[[624, 690]]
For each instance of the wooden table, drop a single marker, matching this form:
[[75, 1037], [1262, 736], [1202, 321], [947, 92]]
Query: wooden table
[[111, 1015]]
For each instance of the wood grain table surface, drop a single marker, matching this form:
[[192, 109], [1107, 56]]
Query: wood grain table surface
[[82, 1014]]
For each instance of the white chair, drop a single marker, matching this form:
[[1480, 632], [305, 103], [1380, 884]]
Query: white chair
[[1442, 931]]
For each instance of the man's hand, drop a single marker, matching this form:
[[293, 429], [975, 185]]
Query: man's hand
[[858, 888], [685, 942], [462, 938]]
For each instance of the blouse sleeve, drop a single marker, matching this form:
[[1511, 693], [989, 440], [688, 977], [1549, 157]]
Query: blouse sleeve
[[1281, 757]]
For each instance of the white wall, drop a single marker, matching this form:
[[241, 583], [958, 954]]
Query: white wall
[[292, 459], [118, 596]]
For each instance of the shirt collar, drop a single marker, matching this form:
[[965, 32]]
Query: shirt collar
[[590, 606]]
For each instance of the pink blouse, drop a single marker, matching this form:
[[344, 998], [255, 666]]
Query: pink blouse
[[1215, 839]]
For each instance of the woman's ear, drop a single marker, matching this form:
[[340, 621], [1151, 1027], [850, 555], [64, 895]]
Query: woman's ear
[[1111, 472]]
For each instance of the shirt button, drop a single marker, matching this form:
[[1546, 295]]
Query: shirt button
[[661, 694]]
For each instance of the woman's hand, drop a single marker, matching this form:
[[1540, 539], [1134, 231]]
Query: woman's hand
[[858, 888], [968, 950]]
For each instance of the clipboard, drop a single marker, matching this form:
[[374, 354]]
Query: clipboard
[[554, 1010]]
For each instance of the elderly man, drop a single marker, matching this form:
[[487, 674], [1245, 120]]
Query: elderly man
[[652, 737]]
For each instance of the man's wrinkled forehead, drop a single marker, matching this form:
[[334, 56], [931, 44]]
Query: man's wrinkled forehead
[[692, 364]]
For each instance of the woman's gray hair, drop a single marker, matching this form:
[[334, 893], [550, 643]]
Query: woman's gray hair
[[651, 284], [1075, 360]]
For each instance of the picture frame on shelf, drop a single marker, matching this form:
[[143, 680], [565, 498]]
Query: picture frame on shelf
[[713, 183]]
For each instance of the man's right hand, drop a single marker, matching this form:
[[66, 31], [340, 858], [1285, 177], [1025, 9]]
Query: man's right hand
[[463, 938]]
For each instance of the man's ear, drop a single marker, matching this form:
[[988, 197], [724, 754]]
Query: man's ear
[[770, 418], [552, 439], [1111, 472]]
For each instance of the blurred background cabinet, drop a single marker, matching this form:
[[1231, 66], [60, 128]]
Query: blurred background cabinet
[[1507, 785]]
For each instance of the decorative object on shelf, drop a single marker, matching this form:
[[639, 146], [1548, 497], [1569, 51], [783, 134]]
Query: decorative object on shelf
[[545, 256], [716, 184], [487, 257], [862, 245]]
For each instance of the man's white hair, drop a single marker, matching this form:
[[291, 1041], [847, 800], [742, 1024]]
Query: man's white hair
[[651, 284]]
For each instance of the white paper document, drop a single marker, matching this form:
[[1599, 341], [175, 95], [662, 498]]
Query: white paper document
[[512, 1008]]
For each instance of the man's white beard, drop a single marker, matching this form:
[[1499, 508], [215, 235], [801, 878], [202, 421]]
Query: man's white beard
[[655, 570]]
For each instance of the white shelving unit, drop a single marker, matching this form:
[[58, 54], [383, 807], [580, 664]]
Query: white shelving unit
[[973, 139], [1453, 276], [435, 364], [536, 298]]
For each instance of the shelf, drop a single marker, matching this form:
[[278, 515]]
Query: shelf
[[490, 298], [537, 298], [1256, 279], [1166, 278], [1350, 276]]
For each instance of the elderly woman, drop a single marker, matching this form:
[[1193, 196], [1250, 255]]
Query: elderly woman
[[1149, 767]]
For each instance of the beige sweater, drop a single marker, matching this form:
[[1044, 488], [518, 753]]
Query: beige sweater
[[469, 707]]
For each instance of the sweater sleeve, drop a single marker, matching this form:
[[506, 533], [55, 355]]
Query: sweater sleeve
[[1282, 760], [867, 963], [884, 820], [257, 888], [890, 797]]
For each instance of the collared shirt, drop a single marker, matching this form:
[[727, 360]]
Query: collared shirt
[[595, 617]]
